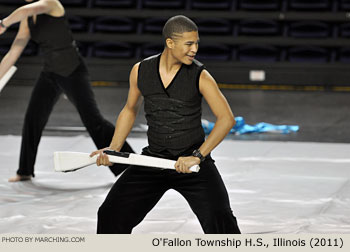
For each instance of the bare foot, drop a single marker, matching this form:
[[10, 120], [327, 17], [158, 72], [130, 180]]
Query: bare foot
[[20, 178]]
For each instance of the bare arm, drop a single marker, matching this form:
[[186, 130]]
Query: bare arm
[[16, 49], [220, 108], [128, 114], [51, 7], [125, 119], [224, 120]]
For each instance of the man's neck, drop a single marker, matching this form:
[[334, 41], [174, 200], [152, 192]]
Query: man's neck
[[168, 62]]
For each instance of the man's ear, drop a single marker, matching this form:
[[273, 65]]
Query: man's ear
[[169, 43]]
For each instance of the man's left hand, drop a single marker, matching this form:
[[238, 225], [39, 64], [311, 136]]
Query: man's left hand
[[183, 164]]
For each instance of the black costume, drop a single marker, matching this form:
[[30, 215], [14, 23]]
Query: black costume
[[174, 118], [63, 71]]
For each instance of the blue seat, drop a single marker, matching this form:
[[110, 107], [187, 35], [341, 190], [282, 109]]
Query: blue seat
[[308, 54], [344, 30], [78, 24], [112, 50], [83, 48], [76, 3], [114, 24], [153, 25], [12, 2], [214, 52], [310, 29], [214, 26], [114, 3], [211, 4], [258, 53], [160, 4], [344, 5], [344, 55], [259, 5], [151, 49], [259, 28], [310, 5]]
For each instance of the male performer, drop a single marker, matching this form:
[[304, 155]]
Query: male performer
[[172, 85], [45, 22]]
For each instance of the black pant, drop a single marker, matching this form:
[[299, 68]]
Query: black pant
[[138, 190], [45, 94]]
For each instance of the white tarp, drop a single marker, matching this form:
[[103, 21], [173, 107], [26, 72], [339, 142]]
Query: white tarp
[[274, 187]]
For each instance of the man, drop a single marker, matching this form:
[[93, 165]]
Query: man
[[172, 85]]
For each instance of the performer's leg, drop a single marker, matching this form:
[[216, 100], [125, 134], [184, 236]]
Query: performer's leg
[[208, 198], [78, 89], [133, 195], [44, 96]]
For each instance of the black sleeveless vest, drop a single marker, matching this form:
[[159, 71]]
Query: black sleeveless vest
[[173, 114], [55, 40]]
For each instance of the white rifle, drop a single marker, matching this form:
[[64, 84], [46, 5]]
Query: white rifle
[[72, 161], [7, 77]]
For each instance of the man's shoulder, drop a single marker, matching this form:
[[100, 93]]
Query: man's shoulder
[[150, 58]]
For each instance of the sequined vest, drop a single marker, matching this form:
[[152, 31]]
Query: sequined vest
[[173, 114]]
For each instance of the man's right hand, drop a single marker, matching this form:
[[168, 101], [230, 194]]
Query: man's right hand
[[102, 158]]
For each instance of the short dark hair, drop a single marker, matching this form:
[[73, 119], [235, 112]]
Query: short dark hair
[[178, 25]]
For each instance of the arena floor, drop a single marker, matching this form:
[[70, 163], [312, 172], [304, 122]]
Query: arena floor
[[274, 187]]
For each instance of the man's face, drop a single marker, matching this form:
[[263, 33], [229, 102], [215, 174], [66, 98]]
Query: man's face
[[185, 47]]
